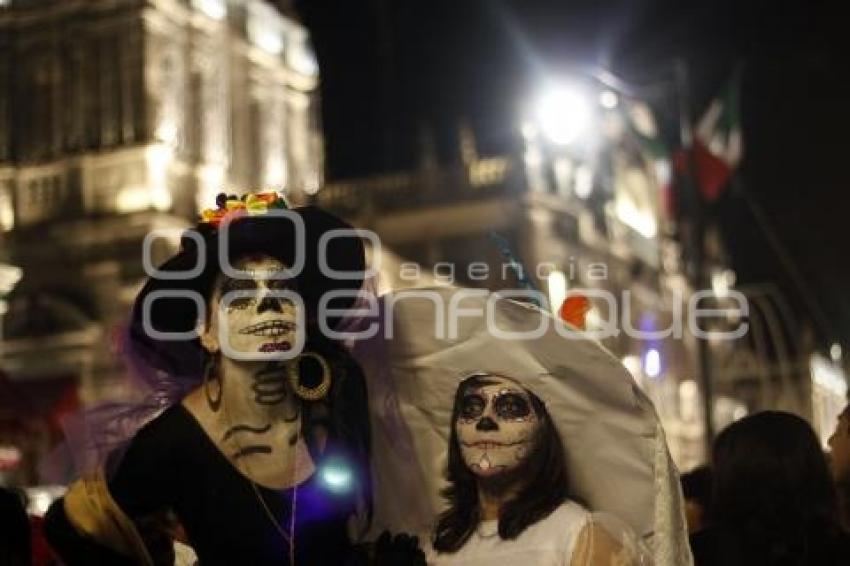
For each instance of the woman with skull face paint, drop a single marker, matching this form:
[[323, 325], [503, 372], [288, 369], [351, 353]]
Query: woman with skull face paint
[[265, 459], [508, 491], [495, 420]]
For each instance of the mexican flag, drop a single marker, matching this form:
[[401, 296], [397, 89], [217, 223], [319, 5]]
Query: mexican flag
[[717, 145]]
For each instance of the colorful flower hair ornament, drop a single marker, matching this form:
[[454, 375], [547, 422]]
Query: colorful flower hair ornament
[[230, 207]]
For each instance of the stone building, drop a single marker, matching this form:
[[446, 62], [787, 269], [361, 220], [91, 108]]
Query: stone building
[[596, 217], [122, 116], [586, 217]]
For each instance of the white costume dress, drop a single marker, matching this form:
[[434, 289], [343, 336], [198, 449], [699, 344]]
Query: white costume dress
[[549, 542]]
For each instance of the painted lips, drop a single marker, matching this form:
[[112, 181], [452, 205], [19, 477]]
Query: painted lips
[[275, 347]]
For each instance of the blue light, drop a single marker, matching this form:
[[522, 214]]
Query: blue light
[[336, 476]]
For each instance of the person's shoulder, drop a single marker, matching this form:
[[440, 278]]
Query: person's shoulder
[[571, 511], [564, 523], [173, 427], [606, 539], [175, 416], [163, 445], [594, 543]]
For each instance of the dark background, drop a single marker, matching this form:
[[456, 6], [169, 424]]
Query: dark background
[[393, 69]]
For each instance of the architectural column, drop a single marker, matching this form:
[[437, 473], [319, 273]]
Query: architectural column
[[5, 106], [256, 117], [209, 111], [166, 80], [107, 87], [75, 87], [130, 67], [58, 101]]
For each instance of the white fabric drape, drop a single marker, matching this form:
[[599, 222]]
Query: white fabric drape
[[431, 339]]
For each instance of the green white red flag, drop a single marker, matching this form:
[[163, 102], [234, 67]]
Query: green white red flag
[[717, 144]]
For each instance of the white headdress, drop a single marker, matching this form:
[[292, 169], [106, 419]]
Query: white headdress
[[431, 339]]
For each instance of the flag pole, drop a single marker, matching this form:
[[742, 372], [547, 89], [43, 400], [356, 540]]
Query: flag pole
[[700, 281]]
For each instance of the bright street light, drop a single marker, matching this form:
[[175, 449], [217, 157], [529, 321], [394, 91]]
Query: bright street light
[[563, 114]]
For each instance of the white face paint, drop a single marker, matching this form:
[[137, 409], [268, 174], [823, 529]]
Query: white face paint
[[253, 322], [496, 426], [259, 419]]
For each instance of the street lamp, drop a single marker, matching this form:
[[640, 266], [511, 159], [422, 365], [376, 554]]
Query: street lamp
[[563, 113]]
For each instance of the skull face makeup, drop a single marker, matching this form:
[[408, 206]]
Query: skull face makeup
[[260, 416], [251, 318], [496, 426]]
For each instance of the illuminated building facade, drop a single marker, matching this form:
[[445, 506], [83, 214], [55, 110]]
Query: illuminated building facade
[[587, 217], [122, 116]]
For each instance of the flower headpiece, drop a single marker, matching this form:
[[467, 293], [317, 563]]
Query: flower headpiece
[[231, 207]]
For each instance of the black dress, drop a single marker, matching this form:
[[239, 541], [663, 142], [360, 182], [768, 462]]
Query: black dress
[[171, 464]]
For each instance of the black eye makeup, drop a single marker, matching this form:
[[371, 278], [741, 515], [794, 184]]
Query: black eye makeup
[[511, 405], [230, 284], [249, 300], [241, 302], [472, 406], [282, 285]]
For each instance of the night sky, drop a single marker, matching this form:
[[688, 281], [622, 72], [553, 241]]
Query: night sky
[[393, 69]]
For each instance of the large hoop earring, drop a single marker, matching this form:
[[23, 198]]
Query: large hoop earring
[[307, 386], [210, 368]]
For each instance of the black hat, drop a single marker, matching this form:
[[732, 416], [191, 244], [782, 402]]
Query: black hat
[[272, 235]]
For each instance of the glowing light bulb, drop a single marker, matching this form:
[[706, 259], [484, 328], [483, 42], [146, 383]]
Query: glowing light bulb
[[337, 477], [563, 113]]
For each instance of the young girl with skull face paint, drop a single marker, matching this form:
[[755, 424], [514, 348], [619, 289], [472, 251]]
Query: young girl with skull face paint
[[508, 490], [515, 440], [265, 459]]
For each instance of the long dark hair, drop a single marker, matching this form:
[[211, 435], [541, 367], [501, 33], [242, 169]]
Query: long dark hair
[[772, 489], [546, 489], [344, 413]]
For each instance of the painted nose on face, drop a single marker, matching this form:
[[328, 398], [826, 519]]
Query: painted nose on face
[[269, 304], [486, 424]]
